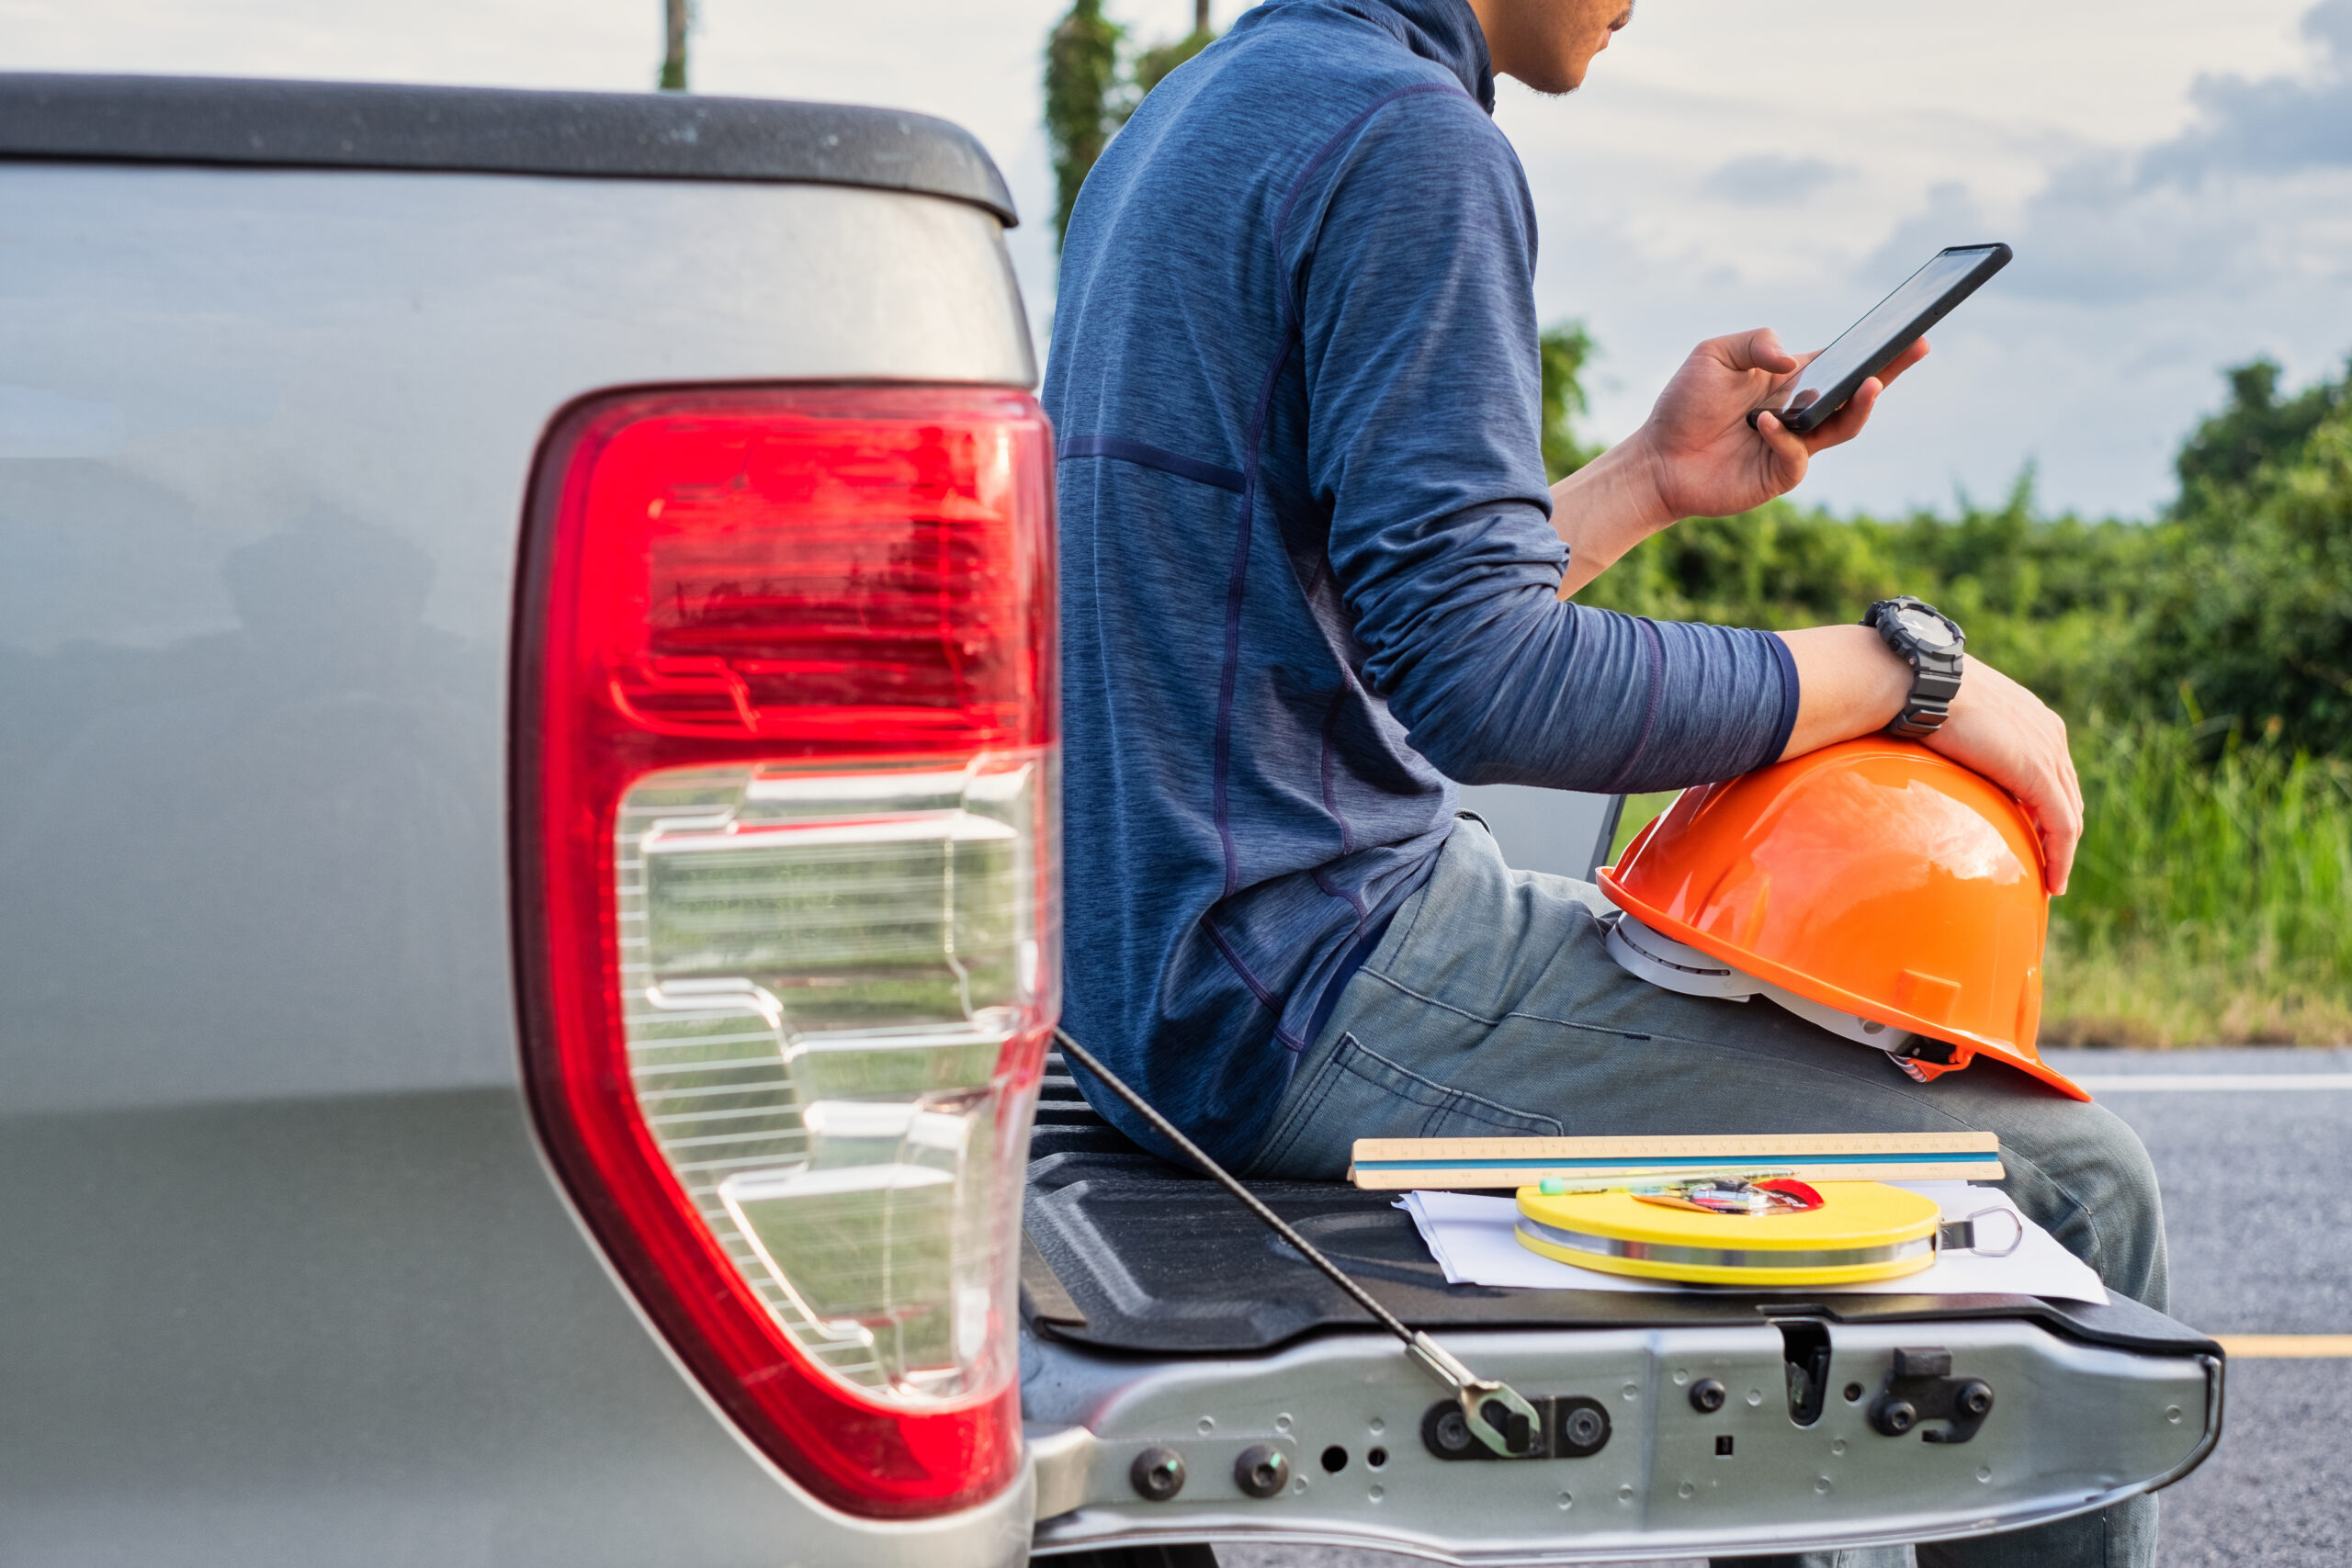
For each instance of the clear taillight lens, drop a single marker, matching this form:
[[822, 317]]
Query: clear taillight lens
[[824, 972], [789, 897]]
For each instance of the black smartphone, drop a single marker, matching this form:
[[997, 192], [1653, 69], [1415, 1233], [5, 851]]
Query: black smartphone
[[1894, 324]]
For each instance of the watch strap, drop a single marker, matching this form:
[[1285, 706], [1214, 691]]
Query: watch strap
[[1935, 672], [1929, 703]]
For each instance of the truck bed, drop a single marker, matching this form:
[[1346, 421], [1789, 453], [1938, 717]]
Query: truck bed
[[1161, 1316]]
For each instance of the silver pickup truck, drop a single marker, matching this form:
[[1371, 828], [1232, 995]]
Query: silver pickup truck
[[529, 841]]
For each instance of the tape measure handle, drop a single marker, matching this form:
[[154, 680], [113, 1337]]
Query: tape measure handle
[[1960, 1235]]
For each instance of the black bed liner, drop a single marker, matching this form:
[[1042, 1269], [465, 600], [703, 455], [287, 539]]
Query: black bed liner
[[367, 125], [1128, 1253]]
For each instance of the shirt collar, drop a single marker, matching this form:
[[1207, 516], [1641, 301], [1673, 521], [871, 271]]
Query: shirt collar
[[1447, 31]]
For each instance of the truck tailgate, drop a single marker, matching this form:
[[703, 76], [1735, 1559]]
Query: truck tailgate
[[1170, 1332]]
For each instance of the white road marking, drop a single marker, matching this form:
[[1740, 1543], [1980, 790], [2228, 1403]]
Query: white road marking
[[2203, 1083]]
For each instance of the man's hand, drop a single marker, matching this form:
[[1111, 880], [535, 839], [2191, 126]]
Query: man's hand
[[1696, 455], [2005, 732], [1850, 683], [1704, 460]]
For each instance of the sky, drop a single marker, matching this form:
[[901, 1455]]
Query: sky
[[2176, 177]]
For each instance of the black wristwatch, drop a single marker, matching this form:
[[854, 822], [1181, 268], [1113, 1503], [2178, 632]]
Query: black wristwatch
[[1931, 642]]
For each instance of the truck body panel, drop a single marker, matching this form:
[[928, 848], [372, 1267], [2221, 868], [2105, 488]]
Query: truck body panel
[[293, 1282]]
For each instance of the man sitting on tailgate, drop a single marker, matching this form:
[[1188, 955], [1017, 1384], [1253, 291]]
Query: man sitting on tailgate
[[1311, 573]]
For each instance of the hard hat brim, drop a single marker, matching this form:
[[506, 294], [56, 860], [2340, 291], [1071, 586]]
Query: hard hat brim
[[1817, 990]]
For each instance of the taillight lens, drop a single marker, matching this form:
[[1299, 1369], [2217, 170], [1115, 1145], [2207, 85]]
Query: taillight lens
[[787, 886]]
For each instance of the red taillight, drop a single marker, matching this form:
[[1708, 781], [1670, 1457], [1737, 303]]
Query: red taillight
[[785, 768]]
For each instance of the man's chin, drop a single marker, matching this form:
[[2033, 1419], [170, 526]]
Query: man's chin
[[1570, 73], [1567, 79]]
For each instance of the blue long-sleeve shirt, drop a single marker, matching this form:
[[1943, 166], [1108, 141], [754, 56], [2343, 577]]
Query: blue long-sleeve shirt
[[1308, 574]]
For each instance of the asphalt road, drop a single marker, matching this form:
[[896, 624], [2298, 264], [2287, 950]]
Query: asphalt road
[[2259, 1215], [2258, 1210]]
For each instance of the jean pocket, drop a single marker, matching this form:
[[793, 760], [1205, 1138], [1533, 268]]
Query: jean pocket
[[1359, 1093]]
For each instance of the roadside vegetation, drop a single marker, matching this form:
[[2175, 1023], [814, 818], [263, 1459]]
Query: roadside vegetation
[[1095, 74], [2202, 660]]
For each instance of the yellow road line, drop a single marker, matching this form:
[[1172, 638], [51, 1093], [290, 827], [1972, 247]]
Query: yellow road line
[[2287, 1346]]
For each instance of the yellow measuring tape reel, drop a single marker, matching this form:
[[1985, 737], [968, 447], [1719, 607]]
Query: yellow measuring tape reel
[[1856, 1232]]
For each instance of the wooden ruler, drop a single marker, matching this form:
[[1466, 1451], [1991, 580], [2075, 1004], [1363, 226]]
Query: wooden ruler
[[1392, 1164]]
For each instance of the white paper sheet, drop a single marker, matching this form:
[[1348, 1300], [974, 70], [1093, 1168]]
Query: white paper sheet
[[1471, 1237]]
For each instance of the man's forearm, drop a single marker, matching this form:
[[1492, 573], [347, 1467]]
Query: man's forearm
[[1849, 684], [1605, 509]]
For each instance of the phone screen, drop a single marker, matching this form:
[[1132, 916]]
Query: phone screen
[[1866, 346]]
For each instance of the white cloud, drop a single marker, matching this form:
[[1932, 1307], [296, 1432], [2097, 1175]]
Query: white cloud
[[2277, 125], [2172, 173], [1762, 179], [2070, 132]]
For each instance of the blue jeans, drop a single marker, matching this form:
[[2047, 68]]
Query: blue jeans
[[1491, 1007]]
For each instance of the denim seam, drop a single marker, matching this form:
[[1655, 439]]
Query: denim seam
[[1318, 1089], [1464, 1105], [1448, 1097], [2090, 1215], [1423, 996]]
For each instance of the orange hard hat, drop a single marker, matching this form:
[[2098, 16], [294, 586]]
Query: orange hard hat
[[1872, 879]]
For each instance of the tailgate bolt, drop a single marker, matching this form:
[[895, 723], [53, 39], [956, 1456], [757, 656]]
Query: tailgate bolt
[[1707, 1397], [1583, 1428], [1973, 1397], [1158, 1474], [1262, 1470], [1894, 1417]]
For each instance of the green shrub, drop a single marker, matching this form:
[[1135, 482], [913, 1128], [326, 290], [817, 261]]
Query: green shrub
[[2050, 601], [2250, 614]]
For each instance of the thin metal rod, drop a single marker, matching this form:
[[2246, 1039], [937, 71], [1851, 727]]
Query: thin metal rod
[[1250, 1200]]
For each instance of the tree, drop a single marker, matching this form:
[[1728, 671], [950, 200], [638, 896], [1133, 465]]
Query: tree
[[1082, 107], [2255, 428], [1153, 65], [1564, 350], [1087, 97], [673, 60], [2252, 618]]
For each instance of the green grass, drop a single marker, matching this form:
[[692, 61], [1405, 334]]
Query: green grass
[[2212, 897], [2212, 900], [1639, 810]]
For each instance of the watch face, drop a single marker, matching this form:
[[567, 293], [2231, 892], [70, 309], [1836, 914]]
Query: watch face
[[1927, 630]]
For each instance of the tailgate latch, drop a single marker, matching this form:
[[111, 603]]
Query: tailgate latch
[[1496, 1413], [1920, 1387], [1566, 1427]]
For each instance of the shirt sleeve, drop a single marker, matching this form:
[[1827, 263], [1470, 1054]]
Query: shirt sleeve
[[1417, 324]]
